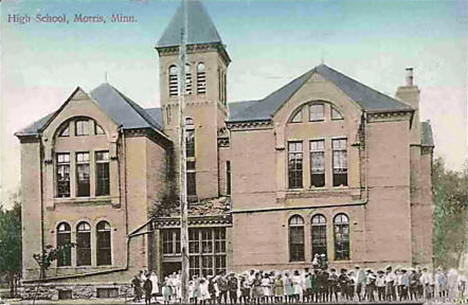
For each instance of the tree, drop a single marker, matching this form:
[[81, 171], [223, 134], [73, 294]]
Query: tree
[[450, 214], [10, 241]]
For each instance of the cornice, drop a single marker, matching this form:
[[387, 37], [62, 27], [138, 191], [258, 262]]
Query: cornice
[[196, 48], [373, 117], [250, 125], [222, 220]]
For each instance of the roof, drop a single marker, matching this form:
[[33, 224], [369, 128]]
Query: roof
[[120, 108], [426, 134], [366, 97], [200, 27]]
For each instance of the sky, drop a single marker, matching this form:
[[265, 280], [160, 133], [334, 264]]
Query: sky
[[269, 42]]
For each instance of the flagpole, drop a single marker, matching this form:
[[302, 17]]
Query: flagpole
[[182, 163]]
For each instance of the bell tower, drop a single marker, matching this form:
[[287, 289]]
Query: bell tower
[[205, 94]]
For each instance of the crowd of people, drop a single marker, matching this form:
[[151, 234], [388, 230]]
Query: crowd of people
[[310, 285]]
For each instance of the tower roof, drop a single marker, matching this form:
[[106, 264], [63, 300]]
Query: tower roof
[[201, 29]]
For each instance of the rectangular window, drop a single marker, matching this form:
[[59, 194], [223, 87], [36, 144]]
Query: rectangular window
[[317, 163], [63, 175], [316, 112], [340, 162], [107, 293], [191, 180], [102, 173], [190, 143], [82, 127], [228, 177], [82, 174], [295, 165], [171, 241], [207, 250]]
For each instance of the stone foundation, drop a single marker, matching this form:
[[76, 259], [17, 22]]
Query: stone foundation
[[50, 291]]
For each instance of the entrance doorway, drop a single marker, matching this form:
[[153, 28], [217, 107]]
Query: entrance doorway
[[171, 267]]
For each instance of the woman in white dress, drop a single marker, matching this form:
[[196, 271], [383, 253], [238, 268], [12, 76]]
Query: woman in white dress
[[204, 292]]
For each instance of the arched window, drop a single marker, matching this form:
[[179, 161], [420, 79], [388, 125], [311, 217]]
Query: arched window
[[173, 81], [64, 130], [296, 238], [64, 242], [83, 244], [319, 235], [341, 230], [188, 79], [98, 129], [103, 238], [297, 116], [335, 114], [201, 78]]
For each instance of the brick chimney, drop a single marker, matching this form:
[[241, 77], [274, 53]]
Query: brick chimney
[[410, 95]]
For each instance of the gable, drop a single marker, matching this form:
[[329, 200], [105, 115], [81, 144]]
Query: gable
[[119, 108], [365, 97]]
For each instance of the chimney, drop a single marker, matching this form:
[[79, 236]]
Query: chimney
[[409, 77], [409, 93]]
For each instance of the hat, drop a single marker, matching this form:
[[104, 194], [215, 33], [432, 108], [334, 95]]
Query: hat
[[380, 271], [332, 269], [343, 270], [356, 266], [388, 267]]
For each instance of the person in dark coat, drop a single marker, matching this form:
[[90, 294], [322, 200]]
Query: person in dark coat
[[333, 285], [136, 283], [343, 283], [148, 288]]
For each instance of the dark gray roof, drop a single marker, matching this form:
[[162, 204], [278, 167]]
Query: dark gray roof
[[120, 108], [200, 27], [156, 114], [264, 109], [426, 134]]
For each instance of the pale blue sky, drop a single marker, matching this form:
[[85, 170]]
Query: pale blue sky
[[270, 43]]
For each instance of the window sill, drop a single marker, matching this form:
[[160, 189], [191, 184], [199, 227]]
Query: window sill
[[100, 200]]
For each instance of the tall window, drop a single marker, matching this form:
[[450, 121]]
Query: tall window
[[82, 127], [316, 112], [207, 250], [191, 179], [201, 79], [173, 81], [340, 162], [63, 175], [191, 175], [102, 173], [188, 80], [83, 244], [341, 229], [104, 253], [63, 240], [228, 177], [295, 158], [171, 241], [319, 235], [82, 174], [296, 238], [224, 88], [317, 163], [189, 138]]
